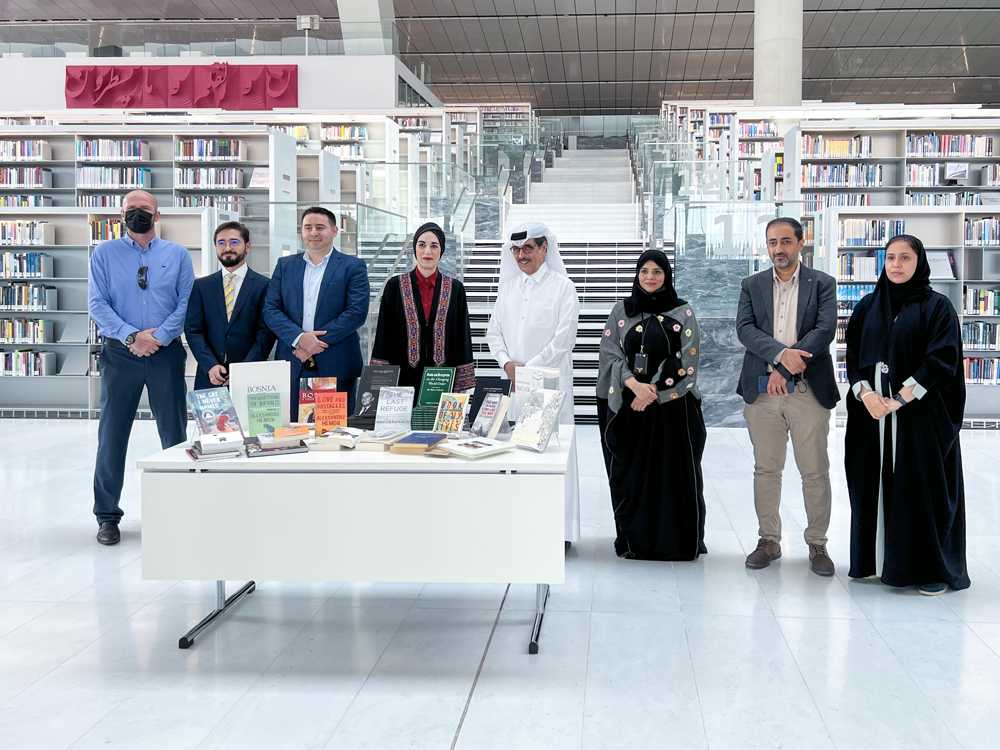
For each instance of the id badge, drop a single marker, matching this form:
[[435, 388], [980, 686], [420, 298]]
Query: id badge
[[641, 363]]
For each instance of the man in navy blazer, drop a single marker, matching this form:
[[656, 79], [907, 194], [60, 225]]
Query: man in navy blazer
[[787, 320], [316, 302], [225, 314]]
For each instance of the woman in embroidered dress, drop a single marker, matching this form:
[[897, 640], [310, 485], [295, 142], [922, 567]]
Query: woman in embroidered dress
[[903, 454], [423, 320], [655, 431]]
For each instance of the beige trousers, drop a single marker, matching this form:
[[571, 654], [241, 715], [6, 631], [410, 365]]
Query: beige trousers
[[771, 419]]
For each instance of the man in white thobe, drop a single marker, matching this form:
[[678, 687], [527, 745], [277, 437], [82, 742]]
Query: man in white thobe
[[534, 323]]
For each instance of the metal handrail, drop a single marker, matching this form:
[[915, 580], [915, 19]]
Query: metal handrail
[[378, 250]]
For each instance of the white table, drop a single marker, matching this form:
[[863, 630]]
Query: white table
[[356, 516]]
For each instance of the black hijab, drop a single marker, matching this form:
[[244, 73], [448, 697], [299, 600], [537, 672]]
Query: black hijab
[[641, 302], [430, 226], [888, 299]]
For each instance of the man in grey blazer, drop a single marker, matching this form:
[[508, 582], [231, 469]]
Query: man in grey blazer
[[787, 320]]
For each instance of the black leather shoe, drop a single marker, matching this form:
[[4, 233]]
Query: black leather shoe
[[702, 549], [109, 533]]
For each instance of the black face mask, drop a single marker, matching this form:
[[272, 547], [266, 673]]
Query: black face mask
[[138, 221]]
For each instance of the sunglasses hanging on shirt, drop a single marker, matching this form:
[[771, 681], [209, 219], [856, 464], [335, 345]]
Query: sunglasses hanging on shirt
[[143, 283]]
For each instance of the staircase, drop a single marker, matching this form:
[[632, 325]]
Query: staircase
[[585, 197]]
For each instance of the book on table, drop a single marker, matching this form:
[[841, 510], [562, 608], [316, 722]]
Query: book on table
[[434, 382], [282, 437], [271, 379], [198, 456], [256, 450], [492, 416], [330, 411], [380, 440], [307, 395], [538, 419], [373, 379], [484, 387], [528, 378], [216, 421], [338, 438], [394, 408], [417, 443], [450, 417], [477, 447]]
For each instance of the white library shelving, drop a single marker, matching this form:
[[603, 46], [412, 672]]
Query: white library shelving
[[849, 243], [55, 322]]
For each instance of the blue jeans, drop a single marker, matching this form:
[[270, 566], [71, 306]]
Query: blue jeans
[[123, 376]]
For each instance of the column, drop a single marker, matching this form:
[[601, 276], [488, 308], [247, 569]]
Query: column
[[777, 53]]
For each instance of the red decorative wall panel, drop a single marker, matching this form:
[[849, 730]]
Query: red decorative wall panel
[[216, 86]]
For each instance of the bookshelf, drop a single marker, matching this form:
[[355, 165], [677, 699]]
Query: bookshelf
[[850, 242], [55, 323], [509, 122]]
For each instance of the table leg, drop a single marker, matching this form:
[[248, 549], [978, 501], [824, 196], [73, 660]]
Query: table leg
[[222, 606], [541, 597]]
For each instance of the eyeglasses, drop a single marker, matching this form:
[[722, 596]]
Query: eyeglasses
[[233, 243], [526, 249], [142, 278]]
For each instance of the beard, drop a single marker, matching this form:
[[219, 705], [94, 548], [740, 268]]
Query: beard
[[782, 262], [228, 260]]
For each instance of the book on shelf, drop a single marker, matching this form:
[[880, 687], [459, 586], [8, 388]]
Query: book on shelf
[[27, 232], [942, 265], [760, 129], [949, 144], [395, 405], [841, 337], [307, 395], [492, 416], [215, 416], [28, 150], [417, 443], [26, 331], [477, 447], [868, 232], [981, 371], [28, 362], [209, 149], [207, 178], [106, 229], [20, 296], [538, 419], [860, 267], [980, 335], [93, 332], [851, 294], [26, 177], [821, 147], [842, 175], [346, 150], [132, 178], [298, 132], [984, 231], [108, 149], [94, 369], [330, 412], [982, 301], [451, 410], [991, 175], [271, 379], [26, 265], [484, 387], [25, 201], [959, 198], [344, 133]]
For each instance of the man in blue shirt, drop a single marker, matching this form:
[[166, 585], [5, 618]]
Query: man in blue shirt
[[138, 295], [316, 302]]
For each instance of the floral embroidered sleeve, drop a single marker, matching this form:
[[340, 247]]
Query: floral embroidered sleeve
[[687, 366]]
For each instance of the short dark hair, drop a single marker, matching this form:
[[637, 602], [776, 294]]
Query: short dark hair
[[796, 227], [332, 217], [244, 232]]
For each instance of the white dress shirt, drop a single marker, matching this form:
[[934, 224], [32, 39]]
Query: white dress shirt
[[534, 321], [238, 275], [312, 280]]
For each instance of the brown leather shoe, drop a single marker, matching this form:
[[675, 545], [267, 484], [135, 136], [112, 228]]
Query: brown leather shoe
[[765, 552], [821, 563]]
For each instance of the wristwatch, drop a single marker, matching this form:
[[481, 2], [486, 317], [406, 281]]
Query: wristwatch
[[900, 399], [130, 339]]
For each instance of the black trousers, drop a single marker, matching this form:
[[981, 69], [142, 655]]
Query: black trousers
[[123, 376]]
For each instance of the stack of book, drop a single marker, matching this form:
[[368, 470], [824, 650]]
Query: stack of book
[[435, 381]]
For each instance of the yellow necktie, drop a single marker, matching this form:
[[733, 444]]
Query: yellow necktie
[[230, 291]]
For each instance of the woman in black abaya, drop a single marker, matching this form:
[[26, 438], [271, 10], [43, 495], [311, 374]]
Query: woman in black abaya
[[655, 431], [902, 454], [423, 320]]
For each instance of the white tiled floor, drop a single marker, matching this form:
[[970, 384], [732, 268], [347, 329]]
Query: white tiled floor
[[633, 654]]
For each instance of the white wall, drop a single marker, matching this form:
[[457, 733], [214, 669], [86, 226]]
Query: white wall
[[37, 84]]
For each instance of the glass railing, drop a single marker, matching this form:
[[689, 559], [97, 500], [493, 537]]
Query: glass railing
[[206, 38]]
